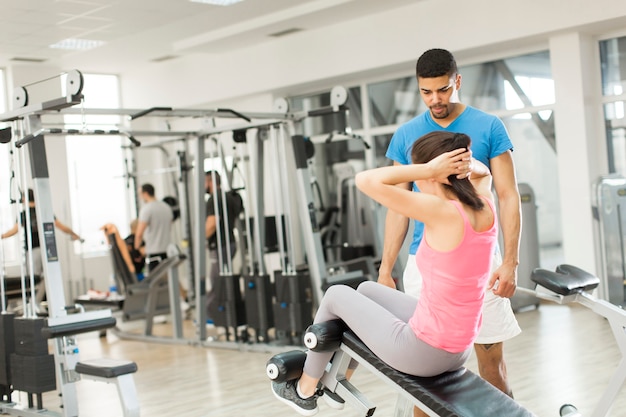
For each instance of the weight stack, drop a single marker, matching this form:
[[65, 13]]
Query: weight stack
[[28, 338], [228, 309], [258, 298], [33, 374], [7, 347], [32, 368], [293, 305]]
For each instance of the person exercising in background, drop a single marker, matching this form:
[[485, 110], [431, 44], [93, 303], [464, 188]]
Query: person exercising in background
[[138, 256], [34, 231], [439, 83], [213, 187], [154, 227]]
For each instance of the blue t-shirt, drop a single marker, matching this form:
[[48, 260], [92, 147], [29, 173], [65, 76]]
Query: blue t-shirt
[[487, 132]]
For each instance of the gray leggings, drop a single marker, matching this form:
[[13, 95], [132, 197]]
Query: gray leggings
[[379, 316]]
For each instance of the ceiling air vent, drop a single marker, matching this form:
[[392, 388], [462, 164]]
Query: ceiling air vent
[[285, 32], [22, 59], [165, 58]]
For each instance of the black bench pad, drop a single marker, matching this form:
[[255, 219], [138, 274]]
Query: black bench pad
[[454, 394], [567, 280], [78, 327], [106, 368]]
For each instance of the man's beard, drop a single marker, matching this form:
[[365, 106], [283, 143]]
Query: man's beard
[[443, 115]]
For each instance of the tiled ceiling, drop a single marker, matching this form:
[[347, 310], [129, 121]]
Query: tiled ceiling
[[139, 31]]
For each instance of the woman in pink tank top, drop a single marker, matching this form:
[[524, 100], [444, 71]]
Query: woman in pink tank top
[[434, 334]]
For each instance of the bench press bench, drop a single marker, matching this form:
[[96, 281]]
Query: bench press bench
[[453, 394], [569, 284]]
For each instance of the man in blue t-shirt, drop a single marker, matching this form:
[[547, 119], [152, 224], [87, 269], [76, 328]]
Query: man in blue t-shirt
[[439, 83]]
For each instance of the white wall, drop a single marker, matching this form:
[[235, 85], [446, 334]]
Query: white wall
[[365, 46]]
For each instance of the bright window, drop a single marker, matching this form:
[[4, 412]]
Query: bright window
[[539, 91], [613, 59], [98, 192], [8, 211]]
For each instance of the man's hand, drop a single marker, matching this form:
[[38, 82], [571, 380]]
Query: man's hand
[[387, 280], [506, 278]]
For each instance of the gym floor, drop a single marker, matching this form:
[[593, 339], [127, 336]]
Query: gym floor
[[566, 354]]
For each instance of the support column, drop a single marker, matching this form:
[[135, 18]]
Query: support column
[[580, 141], [199, 241]]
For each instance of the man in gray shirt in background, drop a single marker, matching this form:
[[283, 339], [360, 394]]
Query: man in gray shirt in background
[[155, 219]]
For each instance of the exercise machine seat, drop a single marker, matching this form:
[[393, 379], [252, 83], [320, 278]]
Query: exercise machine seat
[[453, 394], [106, 368], [567, 280]]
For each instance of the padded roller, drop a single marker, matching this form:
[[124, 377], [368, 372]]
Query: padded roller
[[5, 135], [325, 336], [70, 329], [285, 366]]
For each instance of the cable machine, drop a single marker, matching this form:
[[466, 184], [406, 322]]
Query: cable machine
[[180, 182], [24, 340], [301, 244]]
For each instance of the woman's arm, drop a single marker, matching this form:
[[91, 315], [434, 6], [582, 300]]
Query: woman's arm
[[66, 229], [380, 185], [481, 179], [439, 168], [11, 232]]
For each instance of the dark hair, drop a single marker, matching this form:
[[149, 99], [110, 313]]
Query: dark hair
[[173, 203], [214, 174], [148, 189], [434, 144], [31, 195], [435, 63]]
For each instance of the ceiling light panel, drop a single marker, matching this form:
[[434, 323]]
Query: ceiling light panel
[[77, 44]]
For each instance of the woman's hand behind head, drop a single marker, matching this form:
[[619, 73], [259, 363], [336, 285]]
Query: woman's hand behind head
[[456, 162]]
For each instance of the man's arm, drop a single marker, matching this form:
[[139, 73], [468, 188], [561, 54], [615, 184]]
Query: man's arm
[[141, 228], [505, 183], [396, 226], [210, 226]]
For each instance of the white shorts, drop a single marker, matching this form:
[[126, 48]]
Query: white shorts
[[499, 322]]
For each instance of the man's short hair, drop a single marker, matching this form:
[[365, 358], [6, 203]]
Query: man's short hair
[[148, 189], [435, 63], [214, 174]]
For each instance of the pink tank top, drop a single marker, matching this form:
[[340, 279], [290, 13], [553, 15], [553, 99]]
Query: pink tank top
[[449, 312]]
